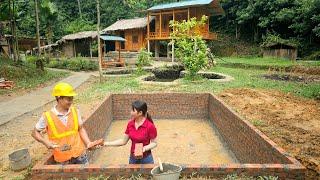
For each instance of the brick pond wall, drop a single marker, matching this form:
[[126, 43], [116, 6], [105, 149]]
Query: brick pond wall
[[256, 153]]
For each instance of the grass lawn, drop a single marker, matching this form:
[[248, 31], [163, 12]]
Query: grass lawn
[[243, 78]]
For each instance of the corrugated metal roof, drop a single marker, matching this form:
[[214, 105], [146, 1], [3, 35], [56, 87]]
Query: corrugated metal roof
[[111, 38], [180, 4], [128, 24]]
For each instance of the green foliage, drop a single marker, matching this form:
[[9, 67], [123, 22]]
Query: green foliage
[[298, 19], [31, 59], [190, 47], [314, 56], [143, 60], [275, 38], [79, 25], [254, 19], [74, 64]]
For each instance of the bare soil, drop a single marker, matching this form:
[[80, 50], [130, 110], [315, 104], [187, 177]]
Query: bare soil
[[16, 134], [290, 121], [302, 78], [192, 141]]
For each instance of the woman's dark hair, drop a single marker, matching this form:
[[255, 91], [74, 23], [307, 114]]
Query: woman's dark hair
[[142, 106]]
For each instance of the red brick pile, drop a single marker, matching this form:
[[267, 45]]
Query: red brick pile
[[4, 84]]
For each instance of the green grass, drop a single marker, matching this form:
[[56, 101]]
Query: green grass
[[243, 78], [26, 76], [273, 62]]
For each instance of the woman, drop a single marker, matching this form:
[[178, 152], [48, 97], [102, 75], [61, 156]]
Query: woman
[[140, 129]]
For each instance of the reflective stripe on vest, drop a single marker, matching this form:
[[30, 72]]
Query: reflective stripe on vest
[[53, 128]]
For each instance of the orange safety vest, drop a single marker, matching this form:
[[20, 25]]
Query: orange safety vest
[[65, 135]]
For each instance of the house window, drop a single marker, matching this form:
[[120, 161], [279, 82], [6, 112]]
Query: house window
[[135, 39]]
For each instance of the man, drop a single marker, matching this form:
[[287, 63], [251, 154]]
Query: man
[[66, 136]]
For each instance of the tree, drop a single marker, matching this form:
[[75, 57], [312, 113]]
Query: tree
[[49, 15], [191, 49], [99, 43], [39, 62], [79, 7]]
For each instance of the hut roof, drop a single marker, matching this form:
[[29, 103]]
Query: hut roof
[[188, 3], [181, 4], [272, 44], [79, 35], [128, 24]]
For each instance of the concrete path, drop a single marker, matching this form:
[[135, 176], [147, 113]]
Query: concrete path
[[23, 104]]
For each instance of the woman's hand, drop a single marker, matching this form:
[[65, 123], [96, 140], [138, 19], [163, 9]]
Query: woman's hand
[[95, 144], [52, 145]]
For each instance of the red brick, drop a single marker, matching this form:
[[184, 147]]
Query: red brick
[[138, 150]]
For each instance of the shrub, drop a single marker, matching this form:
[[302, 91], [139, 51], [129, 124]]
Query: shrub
[[190, 47], [74, 64], [143, 59]]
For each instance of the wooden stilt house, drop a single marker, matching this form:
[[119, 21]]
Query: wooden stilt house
[[179, 11]]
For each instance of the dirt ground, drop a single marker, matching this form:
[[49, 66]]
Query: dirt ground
[[192, 141], [16, 134], [290, 121]]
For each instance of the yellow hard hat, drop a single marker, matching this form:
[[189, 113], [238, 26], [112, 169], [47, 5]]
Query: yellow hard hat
[[63, 89]]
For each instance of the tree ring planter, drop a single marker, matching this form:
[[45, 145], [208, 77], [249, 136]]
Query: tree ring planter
[[151, 79], [212, 76]]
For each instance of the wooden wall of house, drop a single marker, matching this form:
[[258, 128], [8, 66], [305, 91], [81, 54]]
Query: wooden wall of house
[[281, 53], [28, 43], [167, 16], [135, 39]]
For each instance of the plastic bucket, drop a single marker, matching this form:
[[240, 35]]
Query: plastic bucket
[[19, 159], [170, 172]]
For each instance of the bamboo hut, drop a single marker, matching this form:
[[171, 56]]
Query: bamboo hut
[[76, 44]]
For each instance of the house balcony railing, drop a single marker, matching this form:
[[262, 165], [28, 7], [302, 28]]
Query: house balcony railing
[[166, 35]]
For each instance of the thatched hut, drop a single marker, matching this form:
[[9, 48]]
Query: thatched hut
[[76, 44], [280, 50], [133, 30]]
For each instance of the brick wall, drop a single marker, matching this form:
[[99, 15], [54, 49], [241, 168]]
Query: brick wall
[[256, 153], [97, 124], [242, 138], [163, 106]]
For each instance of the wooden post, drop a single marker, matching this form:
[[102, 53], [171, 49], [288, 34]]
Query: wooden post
[[104, 48], [160, 24], [156, 49], [90, 49], [174, 17], [168, 51], [74, 49], [119, 51], [188, 18], [172, 55], [148, 27], [148, 49]]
